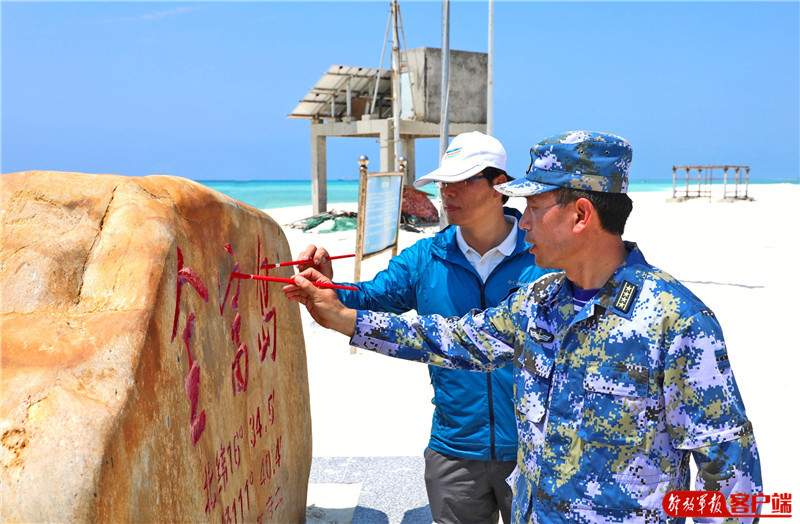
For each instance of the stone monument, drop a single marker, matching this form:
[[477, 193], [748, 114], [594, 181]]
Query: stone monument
[[140, 382]]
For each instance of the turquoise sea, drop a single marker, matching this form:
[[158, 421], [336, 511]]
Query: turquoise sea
[[264, 194]]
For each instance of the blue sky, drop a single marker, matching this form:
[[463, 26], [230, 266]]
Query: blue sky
[[202, 89]]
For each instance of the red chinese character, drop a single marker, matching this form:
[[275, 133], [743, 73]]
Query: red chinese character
[[673, 501], [694, 504], [239, 381], [273, 502], [192, 380], [701, 501], [267, 340], [782, 503], [263, 286], [191, 384], [185, 275], [211, 497], [222, 470], [224, 299], [716, 503], [740, 503], [236, 328], [756, 500]]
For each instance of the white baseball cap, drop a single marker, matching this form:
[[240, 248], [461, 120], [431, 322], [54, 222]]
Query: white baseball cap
[[468, 154]]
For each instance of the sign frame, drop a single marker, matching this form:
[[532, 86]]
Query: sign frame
[[364, 199]]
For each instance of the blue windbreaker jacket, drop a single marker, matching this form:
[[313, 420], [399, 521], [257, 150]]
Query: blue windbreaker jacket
[[474, 414]]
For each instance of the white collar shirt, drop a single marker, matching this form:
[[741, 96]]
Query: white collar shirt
[[485, 264]]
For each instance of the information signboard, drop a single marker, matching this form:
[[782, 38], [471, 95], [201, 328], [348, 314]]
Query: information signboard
[[379, 206]]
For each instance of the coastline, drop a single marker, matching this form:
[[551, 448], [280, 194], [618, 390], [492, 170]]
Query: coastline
[[275, 194]]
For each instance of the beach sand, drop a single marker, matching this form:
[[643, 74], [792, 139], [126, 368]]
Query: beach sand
[[739, 257]]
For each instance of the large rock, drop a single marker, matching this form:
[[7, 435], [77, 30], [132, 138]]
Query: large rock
[[139, 384]]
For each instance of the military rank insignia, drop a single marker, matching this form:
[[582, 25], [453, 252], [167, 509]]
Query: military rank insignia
[[625, 298], [540, 335]]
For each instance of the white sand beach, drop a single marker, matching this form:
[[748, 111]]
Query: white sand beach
[[740, 258]]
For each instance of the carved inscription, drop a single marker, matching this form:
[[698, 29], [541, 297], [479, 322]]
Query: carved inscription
[[243, 466]]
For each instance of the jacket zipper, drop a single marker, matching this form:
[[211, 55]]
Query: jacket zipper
[[482, 287], [489, 385]]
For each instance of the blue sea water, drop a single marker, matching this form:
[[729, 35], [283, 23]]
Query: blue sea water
[[266, 194]]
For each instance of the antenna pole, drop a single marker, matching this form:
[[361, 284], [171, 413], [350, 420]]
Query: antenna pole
[[395, 85], [378, 74], [444, 119], [490, 75]]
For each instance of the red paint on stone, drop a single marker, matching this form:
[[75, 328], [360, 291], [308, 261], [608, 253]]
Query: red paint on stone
[[239, 381]]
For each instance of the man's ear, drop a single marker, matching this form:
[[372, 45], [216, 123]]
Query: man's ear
[[585, 214], [499, 179]]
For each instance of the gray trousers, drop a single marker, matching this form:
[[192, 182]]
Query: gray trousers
[[462, 491]]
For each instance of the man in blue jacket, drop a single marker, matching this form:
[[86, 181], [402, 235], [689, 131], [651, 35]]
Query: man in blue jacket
[[474, 263]]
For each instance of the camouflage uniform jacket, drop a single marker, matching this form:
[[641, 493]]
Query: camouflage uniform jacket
[[610, 403]]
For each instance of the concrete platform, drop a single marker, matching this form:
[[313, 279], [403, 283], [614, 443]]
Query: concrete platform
[[367, 490]]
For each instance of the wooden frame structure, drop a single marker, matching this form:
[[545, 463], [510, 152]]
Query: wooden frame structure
[[701, 185]]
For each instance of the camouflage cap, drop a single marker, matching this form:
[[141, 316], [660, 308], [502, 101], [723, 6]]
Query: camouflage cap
[[578, 159]]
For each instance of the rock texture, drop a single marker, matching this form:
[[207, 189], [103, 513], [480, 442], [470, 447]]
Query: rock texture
[[139, 382]]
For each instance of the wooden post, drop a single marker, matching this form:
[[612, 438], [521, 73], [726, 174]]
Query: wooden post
[[725, 182], [363, 161], [674, 181], [402, 162], [687, 182], [747, 182]]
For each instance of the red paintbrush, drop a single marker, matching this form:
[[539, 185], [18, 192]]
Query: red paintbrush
[[245, 276], [294, 262]]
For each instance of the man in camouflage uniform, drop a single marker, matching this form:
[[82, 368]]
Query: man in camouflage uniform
[[621, 373]]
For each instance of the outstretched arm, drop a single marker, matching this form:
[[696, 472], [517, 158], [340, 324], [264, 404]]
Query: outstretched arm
[[477, 341]]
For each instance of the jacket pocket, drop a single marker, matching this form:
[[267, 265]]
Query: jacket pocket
[[615, 401], [532, 376]]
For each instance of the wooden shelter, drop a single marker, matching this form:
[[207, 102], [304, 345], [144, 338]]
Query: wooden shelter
[[396, 108]]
